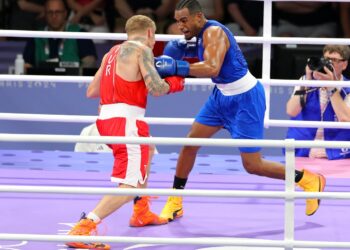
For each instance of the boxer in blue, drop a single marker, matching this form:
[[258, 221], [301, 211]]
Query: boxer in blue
[[237, 102]]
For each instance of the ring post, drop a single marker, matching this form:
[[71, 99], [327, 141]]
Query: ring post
[[289, 199]]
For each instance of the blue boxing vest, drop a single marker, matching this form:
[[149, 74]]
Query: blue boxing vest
[[312, 112], [234, 66]]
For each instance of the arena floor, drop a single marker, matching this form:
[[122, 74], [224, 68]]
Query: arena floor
[[204, 216]]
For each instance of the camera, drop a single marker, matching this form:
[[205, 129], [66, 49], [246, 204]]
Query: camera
[[317, 64]]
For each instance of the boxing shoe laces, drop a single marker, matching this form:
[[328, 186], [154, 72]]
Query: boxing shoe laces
[[173, 208], [85, 227], [142, 215]]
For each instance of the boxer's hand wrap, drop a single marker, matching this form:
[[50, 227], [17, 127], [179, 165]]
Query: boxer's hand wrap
[[176, 83]]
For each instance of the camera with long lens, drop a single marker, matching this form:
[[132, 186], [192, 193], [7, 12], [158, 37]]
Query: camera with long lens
[[317, 64]]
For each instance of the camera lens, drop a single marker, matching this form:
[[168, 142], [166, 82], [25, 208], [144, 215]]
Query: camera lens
[[317, 64], [314, 63]]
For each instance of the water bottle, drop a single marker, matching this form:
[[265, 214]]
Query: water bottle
[[19, 65]]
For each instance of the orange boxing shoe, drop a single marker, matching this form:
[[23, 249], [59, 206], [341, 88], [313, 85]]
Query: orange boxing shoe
[[85, 227], [312, 182], [142, 215]]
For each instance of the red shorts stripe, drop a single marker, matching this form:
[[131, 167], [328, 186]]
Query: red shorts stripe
[[130, 160]]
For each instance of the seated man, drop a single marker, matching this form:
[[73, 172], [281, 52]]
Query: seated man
[[41, 50], [322, 104]]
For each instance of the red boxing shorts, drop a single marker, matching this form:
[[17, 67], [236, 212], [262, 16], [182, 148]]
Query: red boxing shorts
[[130, 160]]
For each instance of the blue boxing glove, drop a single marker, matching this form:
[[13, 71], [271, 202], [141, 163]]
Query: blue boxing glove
[[167, 66], [180, 48]]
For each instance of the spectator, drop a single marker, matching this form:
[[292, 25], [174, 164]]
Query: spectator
[[41, 50], [246, 17], [213, 9], [158, 10], [306, 19], [345, 19], [322, 104], [89, 14], [27, 14]]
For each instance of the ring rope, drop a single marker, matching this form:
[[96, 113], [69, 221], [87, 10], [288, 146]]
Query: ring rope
[[80, 79], [163, 120], [287, 143], [176, 241], [173, 192], [166, 37], [188, 81]]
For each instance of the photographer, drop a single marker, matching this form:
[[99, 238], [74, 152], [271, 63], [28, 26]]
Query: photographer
[[322, 103]]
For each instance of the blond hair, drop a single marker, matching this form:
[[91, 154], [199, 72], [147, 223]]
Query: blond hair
[[342, 50], [139, 24]]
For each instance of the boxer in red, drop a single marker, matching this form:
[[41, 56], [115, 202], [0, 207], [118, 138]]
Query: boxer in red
[[126, 75]]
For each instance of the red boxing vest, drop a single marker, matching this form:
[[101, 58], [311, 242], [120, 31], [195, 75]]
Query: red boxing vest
[[114, 89]]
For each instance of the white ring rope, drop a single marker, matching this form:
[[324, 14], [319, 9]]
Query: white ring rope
[[79, 79], [165, 37], [288, 143], [163, 120], [176, 241], [188, 81], [174, 192]]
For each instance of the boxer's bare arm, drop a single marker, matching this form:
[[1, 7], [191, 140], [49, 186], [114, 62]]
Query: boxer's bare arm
[[93, 91], [155, 85], [216, 44]]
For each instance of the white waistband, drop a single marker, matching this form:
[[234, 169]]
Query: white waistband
[[120, 110], [240, 86]]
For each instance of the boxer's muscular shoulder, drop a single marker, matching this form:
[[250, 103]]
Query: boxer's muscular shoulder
[[130, 49]]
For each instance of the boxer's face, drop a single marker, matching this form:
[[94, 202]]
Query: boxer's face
[[188, 24]]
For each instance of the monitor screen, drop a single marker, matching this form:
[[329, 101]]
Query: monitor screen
[[53, 71]]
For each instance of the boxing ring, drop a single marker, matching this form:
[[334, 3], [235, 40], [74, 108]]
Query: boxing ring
[[225, 208]]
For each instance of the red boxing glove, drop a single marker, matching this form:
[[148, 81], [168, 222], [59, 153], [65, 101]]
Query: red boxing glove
[[176, 83]]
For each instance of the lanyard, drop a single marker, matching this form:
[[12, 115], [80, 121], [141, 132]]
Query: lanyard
[[60, 46]]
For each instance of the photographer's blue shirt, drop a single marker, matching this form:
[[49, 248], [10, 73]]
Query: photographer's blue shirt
[[312, 112]]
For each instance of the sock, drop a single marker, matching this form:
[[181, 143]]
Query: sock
[[137, 198], [92, 216], [298, 175], [179, 183]]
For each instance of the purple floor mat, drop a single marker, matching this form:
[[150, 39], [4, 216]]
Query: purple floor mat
[[204, 216]]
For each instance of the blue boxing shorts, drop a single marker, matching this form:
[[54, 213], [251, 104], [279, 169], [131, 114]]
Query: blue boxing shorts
[[242, 114]]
